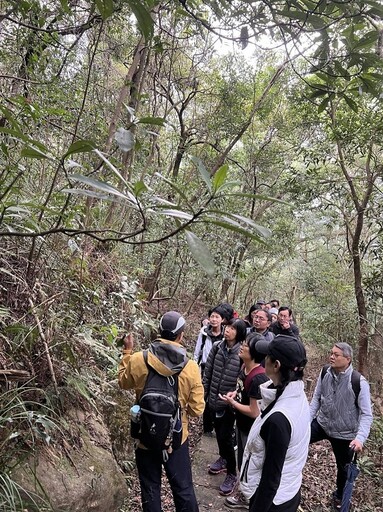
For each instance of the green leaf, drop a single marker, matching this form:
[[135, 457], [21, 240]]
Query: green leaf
[[8, 114], [220, 177], [231, 185], [105, 7], [143, 17], [297, 15], [322, 76], [265, 232], [33, 153], [80, 146], [65, 6], [202, 170], [118, 174], [87, 193], [158, 121], [176, 213], [139, 188], [104, 187], [14, 133], [234, 226], [173, 185], [323, 104], [351, 103], [368, 39], [200, 252], [317, 93]]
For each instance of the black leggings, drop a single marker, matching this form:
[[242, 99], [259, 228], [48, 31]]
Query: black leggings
[[224, 432], [289, 506]]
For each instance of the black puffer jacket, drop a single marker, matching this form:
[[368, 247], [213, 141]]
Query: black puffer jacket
[[221, 372]]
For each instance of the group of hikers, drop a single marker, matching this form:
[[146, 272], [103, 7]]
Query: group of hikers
[[247, 378]]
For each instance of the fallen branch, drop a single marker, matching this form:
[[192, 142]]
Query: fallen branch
[[16, 375]]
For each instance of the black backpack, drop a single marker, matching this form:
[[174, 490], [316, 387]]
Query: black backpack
[[160, 414], [355, 381]]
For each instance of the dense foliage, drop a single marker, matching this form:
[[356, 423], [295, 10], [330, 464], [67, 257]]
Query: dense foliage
[[177, 154]]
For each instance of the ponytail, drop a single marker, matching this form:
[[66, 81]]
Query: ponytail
[[287, 375]]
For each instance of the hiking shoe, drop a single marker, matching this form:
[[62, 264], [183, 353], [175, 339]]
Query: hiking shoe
[[219, 466], [336, 501], [238, 500], [229, 485]]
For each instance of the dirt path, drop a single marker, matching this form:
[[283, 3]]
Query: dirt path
[[206, 486]]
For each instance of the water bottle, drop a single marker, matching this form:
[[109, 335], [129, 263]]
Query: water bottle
[[135, 426], [135, 413]]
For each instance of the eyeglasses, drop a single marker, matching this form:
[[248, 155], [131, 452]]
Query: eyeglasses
[[335, 354]]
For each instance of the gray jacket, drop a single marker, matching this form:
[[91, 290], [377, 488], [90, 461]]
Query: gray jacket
[[333, 405], [221, 373]]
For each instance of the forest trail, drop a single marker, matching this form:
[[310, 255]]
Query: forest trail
[[206, 486]]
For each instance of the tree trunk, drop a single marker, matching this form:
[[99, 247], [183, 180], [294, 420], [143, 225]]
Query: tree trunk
[[356, 233]]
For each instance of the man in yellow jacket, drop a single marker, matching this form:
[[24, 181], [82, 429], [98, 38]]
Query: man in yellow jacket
[[167, 356]]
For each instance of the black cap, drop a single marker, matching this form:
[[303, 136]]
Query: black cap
[[289, 351], [171, 325]]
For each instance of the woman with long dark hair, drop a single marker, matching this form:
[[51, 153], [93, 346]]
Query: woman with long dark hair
[[277, 445]]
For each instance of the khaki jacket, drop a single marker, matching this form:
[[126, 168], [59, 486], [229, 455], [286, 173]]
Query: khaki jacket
[[133, 371]]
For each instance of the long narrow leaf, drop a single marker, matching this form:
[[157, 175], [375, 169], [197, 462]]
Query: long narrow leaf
[[234, 227], [84, 192], [266, 232], [173, 185], [200, 252], [99, 185], [176, 213], [203, 171], [143, 17], [239, 220], [118, 174], [80, 146]]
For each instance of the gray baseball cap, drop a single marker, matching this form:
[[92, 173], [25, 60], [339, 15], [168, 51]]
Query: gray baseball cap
[[171, 325]]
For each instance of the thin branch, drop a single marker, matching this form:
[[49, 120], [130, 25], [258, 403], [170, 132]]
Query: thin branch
[[45, 343]]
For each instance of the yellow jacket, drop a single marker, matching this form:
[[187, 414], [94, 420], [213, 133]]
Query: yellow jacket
[[133, 371]]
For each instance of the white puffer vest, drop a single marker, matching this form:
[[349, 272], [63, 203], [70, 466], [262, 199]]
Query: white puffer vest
[[294, 406]]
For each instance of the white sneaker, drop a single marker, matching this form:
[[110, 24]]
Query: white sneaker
[[238, 501]]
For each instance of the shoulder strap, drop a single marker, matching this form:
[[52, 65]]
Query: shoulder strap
[[255, 371], [324, 371], [175, 375], [204, 336], [355, 383]]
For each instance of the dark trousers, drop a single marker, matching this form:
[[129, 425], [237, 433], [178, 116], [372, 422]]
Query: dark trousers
[[208, 423], [289, 506], [224, 433], [342, 452], [178, 470], [241, 443]]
